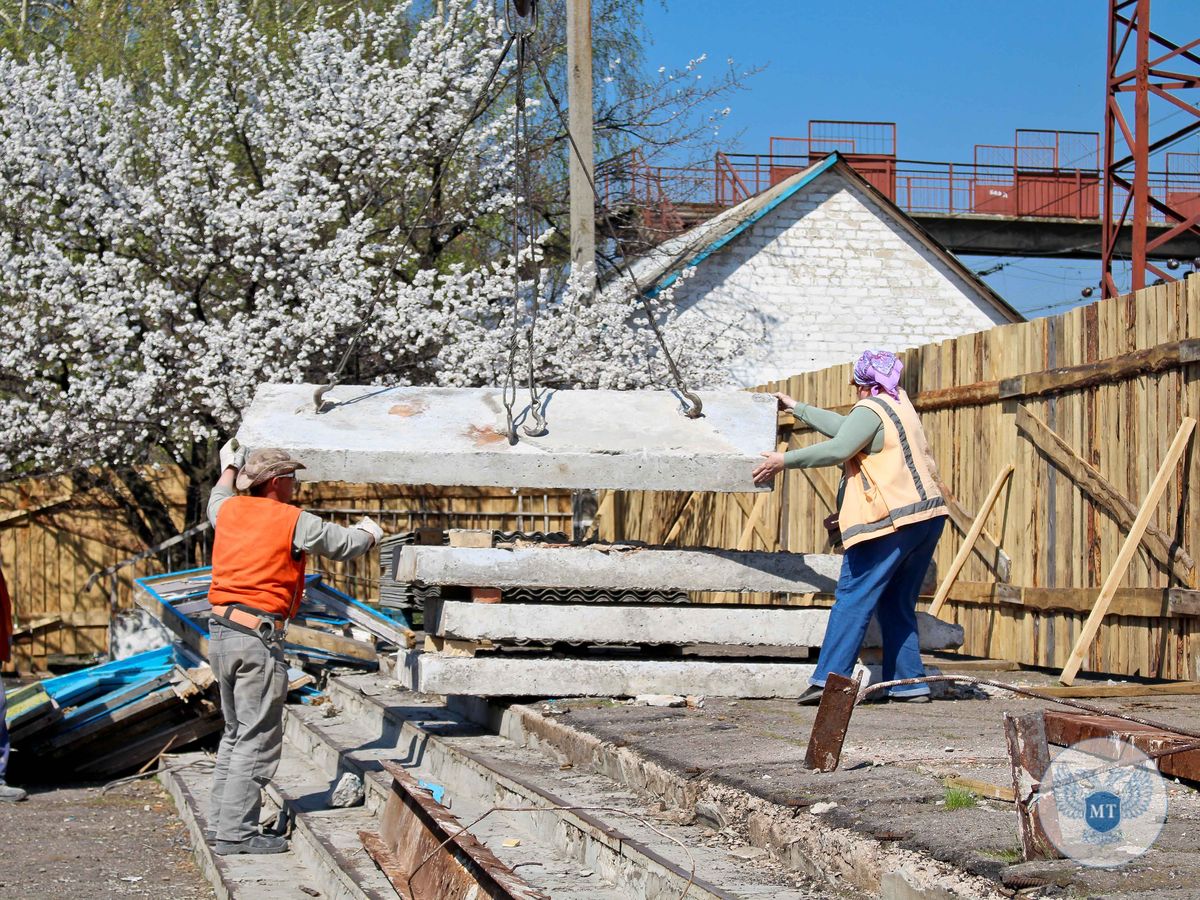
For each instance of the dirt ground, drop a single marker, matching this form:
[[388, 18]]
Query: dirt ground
[[75, 841]]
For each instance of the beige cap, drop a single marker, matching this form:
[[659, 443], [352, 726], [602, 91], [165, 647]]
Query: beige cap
[[263, 465]]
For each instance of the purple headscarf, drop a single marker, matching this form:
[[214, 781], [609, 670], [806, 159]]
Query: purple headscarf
[[880, 371]]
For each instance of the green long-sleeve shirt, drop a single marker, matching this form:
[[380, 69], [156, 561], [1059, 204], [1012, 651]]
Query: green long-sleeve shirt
[[847, 436]]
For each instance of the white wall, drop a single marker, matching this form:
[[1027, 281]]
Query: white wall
[[825, 275]]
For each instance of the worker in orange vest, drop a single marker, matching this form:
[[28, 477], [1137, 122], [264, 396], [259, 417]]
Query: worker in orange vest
[[7, 792], [259, 551]]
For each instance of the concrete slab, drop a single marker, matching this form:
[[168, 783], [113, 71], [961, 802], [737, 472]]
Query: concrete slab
[[635, 440], [635, 624], [740, 766], [619, 568], [517, 676]]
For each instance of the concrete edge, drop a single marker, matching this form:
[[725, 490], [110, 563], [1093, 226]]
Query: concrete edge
[[589, 827], [800, 841], [328, 863], [186, 806]]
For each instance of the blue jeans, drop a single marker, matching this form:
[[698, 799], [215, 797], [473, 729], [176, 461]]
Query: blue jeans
[[882, 576]]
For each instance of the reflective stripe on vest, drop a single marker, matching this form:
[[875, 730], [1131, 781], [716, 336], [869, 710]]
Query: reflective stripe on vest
[[253, 562], [896, 486]]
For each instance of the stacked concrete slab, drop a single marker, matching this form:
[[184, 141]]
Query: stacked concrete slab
[[555, 647]]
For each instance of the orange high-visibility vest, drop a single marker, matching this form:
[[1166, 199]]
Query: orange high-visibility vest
[[896, 486], [253, 562]]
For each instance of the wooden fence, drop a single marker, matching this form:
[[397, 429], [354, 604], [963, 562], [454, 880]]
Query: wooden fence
[[53, 540], [1085, 406]]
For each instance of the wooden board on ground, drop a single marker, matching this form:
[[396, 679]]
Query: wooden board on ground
[[1083, 691]]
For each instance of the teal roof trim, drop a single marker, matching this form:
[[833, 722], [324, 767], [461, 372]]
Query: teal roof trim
[[817, 170]]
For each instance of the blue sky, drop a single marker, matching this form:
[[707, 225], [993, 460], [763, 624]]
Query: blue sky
[[950, 74]]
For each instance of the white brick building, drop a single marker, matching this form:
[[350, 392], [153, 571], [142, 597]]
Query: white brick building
[[813, 271]]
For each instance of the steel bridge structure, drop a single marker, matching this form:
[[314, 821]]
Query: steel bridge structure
[[1043, 195]]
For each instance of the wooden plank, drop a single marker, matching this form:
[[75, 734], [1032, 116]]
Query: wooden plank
[[129, 756], [753, 518], [301, 636], [153, 703], [677, 522], [1165, 472], [182, 627], [1150, 603], [1127, 365], [471, 537], [363, 616], [984, 789], [968, 543], [986, 547], [454, 646], [1083, 691], [1089, 479]]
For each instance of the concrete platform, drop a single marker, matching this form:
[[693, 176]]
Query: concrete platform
[[619, 568], [883, 827], [635, 440], [635, 624], [517, 676]]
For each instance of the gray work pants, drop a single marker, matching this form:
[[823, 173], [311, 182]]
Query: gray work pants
[[252, 677]]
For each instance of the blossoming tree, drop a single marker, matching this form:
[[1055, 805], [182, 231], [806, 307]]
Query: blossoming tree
[[166, 247]]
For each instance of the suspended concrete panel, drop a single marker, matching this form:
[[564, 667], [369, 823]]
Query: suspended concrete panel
[[632, 440], [619, 568], [676, 624]]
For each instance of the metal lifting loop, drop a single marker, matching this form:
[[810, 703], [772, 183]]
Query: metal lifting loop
[[696, 410], [517, 10]]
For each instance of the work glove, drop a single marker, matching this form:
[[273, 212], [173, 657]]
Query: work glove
[[371, 527], [232, 454]]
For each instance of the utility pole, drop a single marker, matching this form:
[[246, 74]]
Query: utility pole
[[581, 171]]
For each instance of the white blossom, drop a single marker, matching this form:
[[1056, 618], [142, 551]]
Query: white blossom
[[163, 252]]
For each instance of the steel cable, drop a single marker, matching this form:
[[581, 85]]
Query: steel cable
[[696, 410], [477, 109]]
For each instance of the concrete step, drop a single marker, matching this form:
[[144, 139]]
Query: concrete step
[[274, 877], [326, 838], [642, 857], [353, 742]]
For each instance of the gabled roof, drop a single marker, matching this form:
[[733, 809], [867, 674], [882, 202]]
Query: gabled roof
[[659, 268]]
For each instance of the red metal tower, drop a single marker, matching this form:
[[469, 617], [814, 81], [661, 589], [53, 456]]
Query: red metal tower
[[1133, 195]]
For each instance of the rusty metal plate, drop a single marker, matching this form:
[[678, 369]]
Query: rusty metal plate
[[832, 722], [1067, 728], [1030, 758], [407, 850]]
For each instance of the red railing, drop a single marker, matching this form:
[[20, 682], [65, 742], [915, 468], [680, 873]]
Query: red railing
[[1043, 174]]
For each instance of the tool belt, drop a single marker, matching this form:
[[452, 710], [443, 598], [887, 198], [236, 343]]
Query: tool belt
[[249, 620]]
